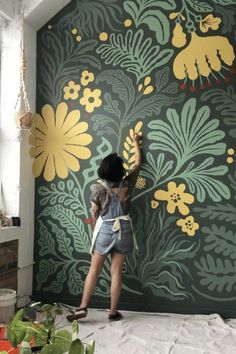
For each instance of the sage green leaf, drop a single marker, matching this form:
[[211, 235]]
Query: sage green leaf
[[217, 274], [201, 180], [161, 266], [224, 102], [156, 169], [133, 10], [45, 241], [200, 6], [140, 10], [121, 84], [73, 225], [47, 267], [224, 2], [134, 53], [151, 105], [157, 21], [110, 105], [75, 282], [53, 348], [90, 17], [64, 242], [221, 241], [76, 347], [56, 286], [90, 348], [188, 135], [90, 174], [105, 125], [222, 212]]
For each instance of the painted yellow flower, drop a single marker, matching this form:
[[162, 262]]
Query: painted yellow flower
[[86, 77], [202, 56], [188, 225], [210, 22], [175, 197], [58, 140], [71, 91], [141, 183], [91, 99]]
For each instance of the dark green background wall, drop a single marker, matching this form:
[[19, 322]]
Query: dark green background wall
[[167, 69]]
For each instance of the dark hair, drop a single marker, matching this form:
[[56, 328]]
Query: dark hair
[[111, 168]]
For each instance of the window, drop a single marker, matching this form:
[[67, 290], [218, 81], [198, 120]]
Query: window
[[9, 136]]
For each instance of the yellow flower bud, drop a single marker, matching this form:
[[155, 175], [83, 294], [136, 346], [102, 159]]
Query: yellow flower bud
[[179, 37]]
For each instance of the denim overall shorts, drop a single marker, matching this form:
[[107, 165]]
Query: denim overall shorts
[[107, 240]]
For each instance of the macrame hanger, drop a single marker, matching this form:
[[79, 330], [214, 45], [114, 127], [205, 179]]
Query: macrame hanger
[[24, 117], [22, 87]]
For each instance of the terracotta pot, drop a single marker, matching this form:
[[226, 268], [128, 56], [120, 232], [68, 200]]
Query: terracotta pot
[[3, 331], [24, 120], [5, 345]]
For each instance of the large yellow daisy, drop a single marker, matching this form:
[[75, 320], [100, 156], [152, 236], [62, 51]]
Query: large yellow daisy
[[58, 140], [176, 198]]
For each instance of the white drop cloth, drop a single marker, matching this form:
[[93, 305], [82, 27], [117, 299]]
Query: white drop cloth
[[159, 333]]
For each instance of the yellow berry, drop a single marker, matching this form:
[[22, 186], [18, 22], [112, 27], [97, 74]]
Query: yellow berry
[[78, 38], [127, 23], [74, 31], [230, 160], [230, 151], [103, 36]]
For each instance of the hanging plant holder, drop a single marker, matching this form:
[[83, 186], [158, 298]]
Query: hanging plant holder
[[23, 116]]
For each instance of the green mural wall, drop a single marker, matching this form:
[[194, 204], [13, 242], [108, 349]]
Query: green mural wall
[[165, 69]]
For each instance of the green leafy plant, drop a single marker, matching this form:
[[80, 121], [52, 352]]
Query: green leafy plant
[[44, 337]]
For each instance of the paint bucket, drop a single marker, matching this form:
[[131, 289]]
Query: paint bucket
[[7, 304]]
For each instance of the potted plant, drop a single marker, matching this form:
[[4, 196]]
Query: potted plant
[[45, 336]]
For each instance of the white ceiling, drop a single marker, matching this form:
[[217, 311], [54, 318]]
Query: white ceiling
[[39, 12]]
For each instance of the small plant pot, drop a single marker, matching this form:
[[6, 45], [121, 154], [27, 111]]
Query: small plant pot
[[3, 331], [24, 120]]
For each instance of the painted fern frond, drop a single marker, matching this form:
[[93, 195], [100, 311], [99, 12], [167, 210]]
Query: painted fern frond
[[134, 53]]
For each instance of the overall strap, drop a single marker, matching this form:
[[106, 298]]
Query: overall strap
[[108, 188], [120, 186]]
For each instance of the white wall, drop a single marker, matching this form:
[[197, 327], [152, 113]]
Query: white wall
[[15, 163]]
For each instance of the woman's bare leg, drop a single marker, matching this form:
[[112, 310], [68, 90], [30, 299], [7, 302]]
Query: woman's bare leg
[[92, 277], [117, 262]]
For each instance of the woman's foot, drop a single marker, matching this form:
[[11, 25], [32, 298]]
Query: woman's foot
[[115, 317], [78, 314]]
